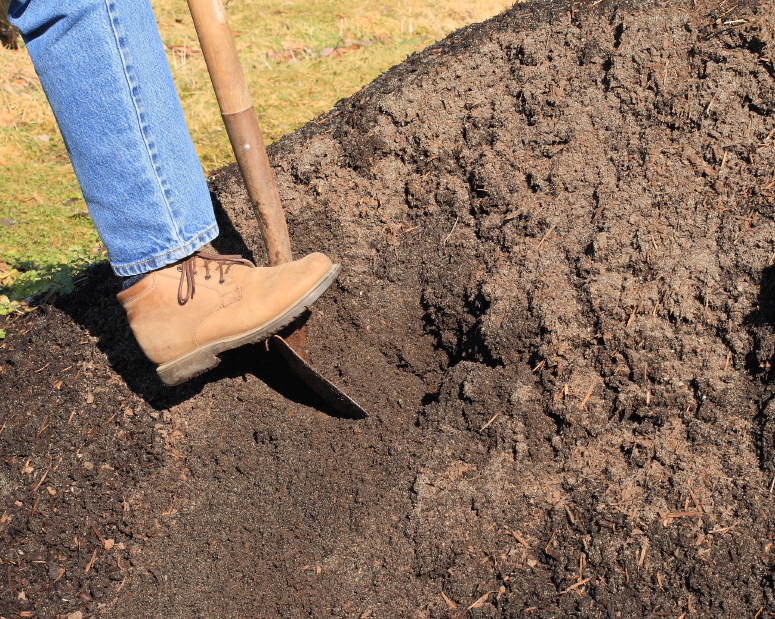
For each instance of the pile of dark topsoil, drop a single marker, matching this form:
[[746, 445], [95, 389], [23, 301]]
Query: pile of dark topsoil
[[557, 303]]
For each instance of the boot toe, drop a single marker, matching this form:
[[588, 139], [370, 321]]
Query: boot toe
[[315, 264]]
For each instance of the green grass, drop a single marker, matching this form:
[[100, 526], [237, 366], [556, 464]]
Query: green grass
[[286, 49]]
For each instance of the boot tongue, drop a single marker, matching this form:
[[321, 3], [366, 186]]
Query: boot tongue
[[187, 270]]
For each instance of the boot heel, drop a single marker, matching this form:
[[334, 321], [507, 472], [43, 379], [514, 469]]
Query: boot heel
[[180, 370]]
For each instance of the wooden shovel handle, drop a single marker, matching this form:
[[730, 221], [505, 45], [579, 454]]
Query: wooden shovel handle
[[239, 117]]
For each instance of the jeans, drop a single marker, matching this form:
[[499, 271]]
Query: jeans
[[103, 68]]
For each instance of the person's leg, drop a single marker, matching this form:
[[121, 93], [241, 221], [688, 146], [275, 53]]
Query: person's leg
[[105, 73], [104, 70]]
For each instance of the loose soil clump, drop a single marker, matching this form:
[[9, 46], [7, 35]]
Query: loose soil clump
[[557, 304]]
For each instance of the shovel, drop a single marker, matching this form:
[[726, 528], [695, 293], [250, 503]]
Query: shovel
[[239, 117]]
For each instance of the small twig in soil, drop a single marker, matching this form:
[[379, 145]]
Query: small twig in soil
[[635, 310], [516, 536], [535, 369], [43, 426], [772, 485], [97, 533], [710, 103], [34, 506], [589, 392], [446, 238], [685, 514], [722, 530], [696, 502], [487, 425], [582, 563], [546, 236], [562, 393], [91, 562], [575, 585], [43, 368], [77, 374], [36, 486], [121, 586], [449, 602]]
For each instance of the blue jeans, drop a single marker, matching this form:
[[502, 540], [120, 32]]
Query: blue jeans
[[103, 68]]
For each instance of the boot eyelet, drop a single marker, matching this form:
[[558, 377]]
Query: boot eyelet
[[180, 269], [195, 273], [208, 277]]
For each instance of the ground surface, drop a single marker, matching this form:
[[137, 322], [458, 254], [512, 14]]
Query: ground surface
[[557, 305]]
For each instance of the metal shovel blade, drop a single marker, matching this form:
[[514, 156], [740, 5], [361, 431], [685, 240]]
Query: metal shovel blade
[[334, 396]]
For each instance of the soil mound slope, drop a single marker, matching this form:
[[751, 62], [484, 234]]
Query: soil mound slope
[[557, 232]]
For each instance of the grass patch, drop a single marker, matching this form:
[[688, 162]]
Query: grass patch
[[300, 58]]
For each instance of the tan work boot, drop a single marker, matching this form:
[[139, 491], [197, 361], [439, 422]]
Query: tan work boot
[[185, 314]]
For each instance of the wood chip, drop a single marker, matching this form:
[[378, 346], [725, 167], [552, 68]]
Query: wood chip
[[40, 481], [517, 537], [91, 562], [449, 602], [696, 502], [481, 601], [575, 585], [723, 529], [643, 550], [589, 392], [685, 514]]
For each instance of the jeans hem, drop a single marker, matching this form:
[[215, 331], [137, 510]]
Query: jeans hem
[[162, 260]]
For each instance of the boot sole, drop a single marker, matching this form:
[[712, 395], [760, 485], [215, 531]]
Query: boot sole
[[204, 358]]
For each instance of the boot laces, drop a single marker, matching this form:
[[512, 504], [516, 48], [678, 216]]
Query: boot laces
[[188, 272]]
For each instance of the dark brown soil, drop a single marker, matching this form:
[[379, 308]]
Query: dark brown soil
[[558, 305]]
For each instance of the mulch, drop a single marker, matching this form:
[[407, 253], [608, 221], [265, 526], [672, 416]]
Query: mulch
[[557, 237]]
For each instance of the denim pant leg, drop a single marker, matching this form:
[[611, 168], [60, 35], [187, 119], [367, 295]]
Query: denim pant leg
[[103, 68]]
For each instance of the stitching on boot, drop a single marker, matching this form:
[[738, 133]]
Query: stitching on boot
[[195, 327], [140, 295]]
